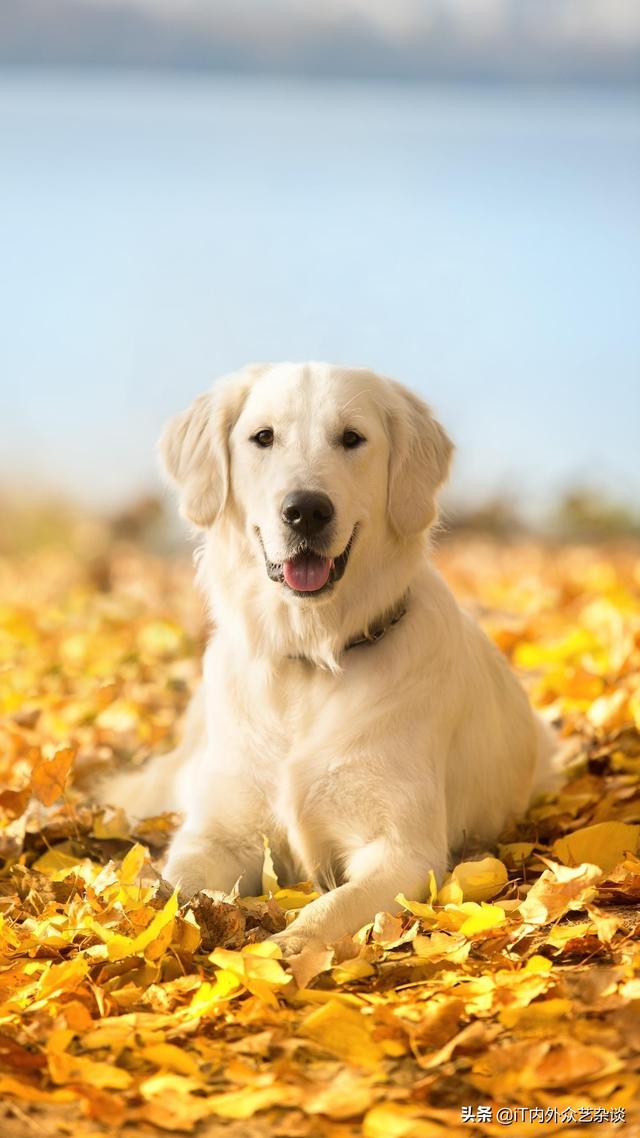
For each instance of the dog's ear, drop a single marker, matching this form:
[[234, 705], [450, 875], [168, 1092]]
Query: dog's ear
[[194, 448], [419, 462]]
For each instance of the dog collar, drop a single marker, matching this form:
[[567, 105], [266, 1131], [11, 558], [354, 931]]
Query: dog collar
[[380, 629], [376, 631]]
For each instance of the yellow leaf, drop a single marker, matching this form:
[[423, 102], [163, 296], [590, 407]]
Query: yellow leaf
[[293, 898], [132, 865], [355, 969], [172, 1058], [450, 893], [634, 708], [388, 931], [50, 775], [561, 934], [442, 946], [481, 917], [267, 948], [30, 1092], [348, 1094], [62, 977], [558, 889], [318, 996], [480, 880], [542, 1014], [397, 1120], [246, 1102], [604, 844], [56, 860], [120, 716], [538, 963], [610, 711], [421, 909], [343, 1032], [270, 883], [305, 965], [160, 638], [65, 1068], [152, 941], [605, 926], [113, 1033], [256, 968], [207, 999], [59, 1039], [111, 823], [187, 935], [432, 889], [170, 1102]]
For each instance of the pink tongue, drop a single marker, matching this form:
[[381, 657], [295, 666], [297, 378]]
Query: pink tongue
[[307, 574]]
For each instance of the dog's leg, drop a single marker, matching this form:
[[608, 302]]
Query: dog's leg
[[199, 860], [548, 775], [376, 874]]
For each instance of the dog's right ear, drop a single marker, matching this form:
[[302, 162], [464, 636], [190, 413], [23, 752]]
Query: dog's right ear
[[194, 448]]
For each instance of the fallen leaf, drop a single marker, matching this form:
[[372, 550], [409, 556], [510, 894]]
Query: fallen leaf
[[49, 777], [480, 880], [604, 844], [306, 965], [558, 889], [257, 967], [64, 1068], [343, 1032]]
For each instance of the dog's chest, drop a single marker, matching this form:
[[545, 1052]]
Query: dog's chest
[[292, 736], [289, 727]]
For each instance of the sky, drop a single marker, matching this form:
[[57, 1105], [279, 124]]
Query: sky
[[445, 190], [481, 244]]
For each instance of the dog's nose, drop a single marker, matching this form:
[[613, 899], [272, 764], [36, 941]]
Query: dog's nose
[[306, 511]]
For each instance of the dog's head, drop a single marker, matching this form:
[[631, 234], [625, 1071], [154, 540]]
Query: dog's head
[[319, 467]]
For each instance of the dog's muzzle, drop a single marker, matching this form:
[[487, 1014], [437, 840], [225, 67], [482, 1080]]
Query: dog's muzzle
[[307, 572]]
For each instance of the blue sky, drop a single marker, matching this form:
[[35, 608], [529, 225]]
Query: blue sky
[[481, 244]]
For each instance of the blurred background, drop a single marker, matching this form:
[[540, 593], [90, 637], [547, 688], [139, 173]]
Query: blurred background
[[445, 190]]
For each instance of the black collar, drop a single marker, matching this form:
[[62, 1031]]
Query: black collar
[[382, 626], [376, 631]]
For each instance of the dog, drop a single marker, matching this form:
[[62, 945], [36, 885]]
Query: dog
[[348, 710]]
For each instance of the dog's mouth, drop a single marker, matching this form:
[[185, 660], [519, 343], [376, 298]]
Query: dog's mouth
[[308, 572]]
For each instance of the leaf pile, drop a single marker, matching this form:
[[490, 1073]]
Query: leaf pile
[[124, 1009]]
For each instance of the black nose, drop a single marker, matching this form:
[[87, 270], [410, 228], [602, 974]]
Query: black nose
[[307, 512]]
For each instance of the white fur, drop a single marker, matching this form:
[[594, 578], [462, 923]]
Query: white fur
[[366, 768]]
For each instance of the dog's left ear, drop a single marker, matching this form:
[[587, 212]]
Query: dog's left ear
[[419, 463]]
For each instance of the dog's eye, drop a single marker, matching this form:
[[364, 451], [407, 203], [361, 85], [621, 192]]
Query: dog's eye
[[351, 440], [263, 438]]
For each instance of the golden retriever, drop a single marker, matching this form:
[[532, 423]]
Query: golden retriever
[[349, 710]]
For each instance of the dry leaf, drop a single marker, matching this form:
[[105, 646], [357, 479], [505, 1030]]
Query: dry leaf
[[604, 844], [343, 1032], [49, 777], [516, 980]]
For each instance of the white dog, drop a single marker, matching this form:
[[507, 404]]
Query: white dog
[[348, 709]]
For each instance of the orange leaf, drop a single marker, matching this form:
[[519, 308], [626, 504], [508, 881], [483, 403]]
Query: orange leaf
[[49, 777], [15, 802]]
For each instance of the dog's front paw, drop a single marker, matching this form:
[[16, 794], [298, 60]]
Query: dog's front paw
[[187, 874], [293, 943]]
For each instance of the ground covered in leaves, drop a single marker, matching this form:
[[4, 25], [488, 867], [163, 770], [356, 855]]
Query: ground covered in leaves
[[516, 988]]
